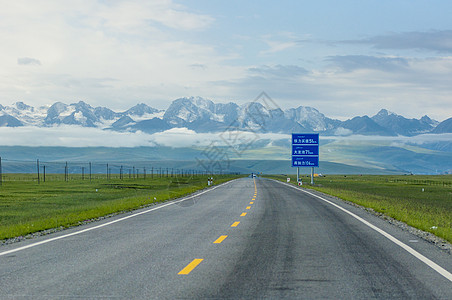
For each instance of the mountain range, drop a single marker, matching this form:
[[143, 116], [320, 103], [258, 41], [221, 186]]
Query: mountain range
[[202, 115]]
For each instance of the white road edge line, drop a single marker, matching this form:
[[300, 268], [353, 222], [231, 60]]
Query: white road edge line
[[109, 223], [410, 250]]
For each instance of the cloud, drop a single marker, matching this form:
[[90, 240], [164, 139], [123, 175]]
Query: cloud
[[182, 137], [129, 15], [395, 140], [76, 136], [138, 49], [28, 61], [437, 40], [111, 53], [198, 66], [276, 46], [341, 131], [71, 136], [279, 71], [279, 42], [356, 62], [355, 85]]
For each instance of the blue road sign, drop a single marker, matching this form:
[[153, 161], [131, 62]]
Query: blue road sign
[[305, 161], [305, 138], [305, 150]]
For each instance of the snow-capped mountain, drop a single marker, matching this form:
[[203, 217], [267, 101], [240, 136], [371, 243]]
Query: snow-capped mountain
[[203, 115], [81, 114], [403, 126], [366, 126], [184, 111], [311, 119], [25, 114]]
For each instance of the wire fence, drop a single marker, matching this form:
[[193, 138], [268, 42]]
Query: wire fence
[[42, 171], [437, 182], [425, 180]]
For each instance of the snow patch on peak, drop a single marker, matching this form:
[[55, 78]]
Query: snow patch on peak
[[69, 110], [385, 112], [27, 114], [186, 115], [79, 117], [148, 116], [218, 117]]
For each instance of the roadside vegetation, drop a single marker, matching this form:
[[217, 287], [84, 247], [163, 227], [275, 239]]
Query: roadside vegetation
[[27, 207], [424, 202]]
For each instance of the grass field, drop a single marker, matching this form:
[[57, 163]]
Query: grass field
[[424, 202], [27, 207]]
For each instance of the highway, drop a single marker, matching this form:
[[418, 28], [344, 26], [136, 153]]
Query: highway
[[246, 239]]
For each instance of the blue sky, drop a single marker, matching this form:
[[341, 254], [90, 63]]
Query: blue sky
[[344, 58]]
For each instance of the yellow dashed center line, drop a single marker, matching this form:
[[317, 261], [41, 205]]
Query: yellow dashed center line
[[190, 266], [220, 239]]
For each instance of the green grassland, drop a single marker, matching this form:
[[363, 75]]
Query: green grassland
[[27, 207], [424, 202]]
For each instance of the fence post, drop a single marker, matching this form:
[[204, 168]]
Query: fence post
[[37, 165], [1, 173], [66, 173], [44, 169]]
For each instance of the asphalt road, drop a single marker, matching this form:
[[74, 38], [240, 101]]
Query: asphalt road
[[242, 240]]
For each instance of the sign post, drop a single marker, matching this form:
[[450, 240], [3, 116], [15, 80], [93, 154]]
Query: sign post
[[305, 152], [298, 175], [312, 176]]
